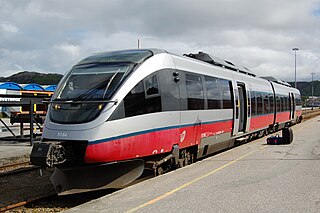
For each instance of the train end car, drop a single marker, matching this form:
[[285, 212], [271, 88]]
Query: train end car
[[116, 114]]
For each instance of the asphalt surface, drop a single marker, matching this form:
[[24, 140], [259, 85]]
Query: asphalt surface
[[253, 177]]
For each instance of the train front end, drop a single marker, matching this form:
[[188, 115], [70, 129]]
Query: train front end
[[84, 100]]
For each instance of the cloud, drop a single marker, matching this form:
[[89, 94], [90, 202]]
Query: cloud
[[50, 36], [7, 27]]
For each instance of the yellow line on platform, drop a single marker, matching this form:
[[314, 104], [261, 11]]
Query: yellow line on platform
[[192, 181]]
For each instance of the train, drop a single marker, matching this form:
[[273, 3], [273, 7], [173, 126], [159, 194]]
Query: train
[[116, 114]]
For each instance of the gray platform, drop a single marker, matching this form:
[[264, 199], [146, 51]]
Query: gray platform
[[12, 148], [254, 177]]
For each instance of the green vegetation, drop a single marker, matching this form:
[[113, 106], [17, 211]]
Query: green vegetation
[[27, 77], [306, 87]]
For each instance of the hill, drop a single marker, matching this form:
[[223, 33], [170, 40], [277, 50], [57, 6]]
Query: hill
[[306, 87], [27, 77]]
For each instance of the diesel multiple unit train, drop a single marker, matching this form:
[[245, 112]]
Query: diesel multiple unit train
[[115, 114]]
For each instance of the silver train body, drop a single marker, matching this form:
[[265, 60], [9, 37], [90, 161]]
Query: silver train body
[[115, 114]]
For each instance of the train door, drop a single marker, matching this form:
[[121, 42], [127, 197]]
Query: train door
[[248, 100], [292, 105], [242, 107]]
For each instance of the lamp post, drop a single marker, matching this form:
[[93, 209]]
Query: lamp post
[[312, 90], [295, 66]]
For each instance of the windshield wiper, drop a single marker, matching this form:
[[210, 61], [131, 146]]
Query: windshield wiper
[[89, 91], [110, 81]]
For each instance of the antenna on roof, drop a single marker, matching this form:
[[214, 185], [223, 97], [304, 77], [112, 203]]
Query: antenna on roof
[[139, 44]]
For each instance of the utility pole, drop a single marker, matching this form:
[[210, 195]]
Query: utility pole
[[295, 66], [312, 90]]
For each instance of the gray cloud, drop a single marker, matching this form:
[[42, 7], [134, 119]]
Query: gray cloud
[[50, 36]]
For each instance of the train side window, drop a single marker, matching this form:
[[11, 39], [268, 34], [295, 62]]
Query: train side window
[[135, 100], [266, 104], [195, 93], [286, 103], [271, 102], [213, 93], [151, 85], [278, 104], [226, 94], [282, 104], [143, 98], [253, 103], [259, 103], [153, 98]]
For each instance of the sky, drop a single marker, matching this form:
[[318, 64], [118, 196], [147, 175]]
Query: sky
[[51, 36]]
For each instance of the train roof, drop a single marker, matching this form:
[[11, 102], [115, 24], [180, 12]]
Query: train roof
[[219, 62], [231, 66], [140, 55], [276, 80]]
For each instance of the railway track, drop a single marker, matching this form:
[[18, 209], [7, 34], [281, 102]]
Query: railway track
[[23, 185], [308, 114], [17, 168], [13, 165]]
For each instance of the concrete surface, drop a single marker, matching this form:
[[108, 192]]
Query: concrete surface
[[254, 177], [10, 148]]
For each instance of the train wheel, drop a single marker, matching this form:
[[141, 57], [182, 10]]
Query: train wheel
[[159, 171], [186, 158]]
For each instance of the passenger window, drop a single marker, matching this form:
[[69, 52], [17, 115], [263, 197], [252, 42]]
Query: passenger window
[[151, 85], [213, 93], [271, 101], [226, 94], [135, 100], [195, 94], [278, 104], [253, 103], [266, 104], [259, 103], [143, 98], [282, 104], [153, 98]]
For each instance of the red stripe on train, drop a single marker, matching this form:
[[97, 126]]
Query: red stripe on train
[[157, 142]]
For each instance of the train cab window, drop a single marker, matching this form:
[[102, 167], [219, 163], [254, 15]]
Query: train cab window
[[195, 93], [226, 94], [213, 93], [253, 103], [143, 98]]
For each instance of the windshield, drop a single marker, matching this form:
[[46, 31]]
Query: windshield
[[91, 82], [85, 90]]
